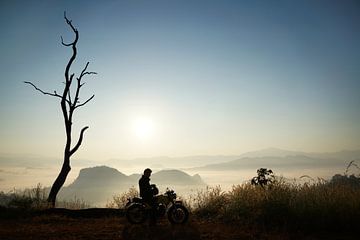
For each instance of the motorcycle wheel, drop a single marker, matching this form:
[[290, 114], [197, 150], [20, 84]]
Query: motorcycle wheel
[[178, 214], [136, 214]]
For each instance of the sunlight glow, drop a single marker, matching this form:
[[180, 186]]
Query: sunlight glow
[[144, 128]]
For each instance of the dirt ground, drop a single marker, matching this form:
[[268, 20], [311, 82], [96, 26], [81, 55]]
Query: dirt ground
[[62, 227]]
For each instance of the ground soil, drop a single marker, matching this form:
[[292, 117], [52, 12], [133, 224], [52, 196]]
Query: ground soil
[[89, 226]]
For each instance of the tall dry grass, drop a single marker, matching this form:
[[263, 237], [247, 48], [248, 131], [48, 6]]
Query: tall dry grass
[[317, 204], [36, 199]]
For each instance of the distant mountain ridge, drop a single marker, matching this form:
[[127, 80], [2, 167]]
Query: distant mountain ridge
[[276, 152], [24, 170], [37, 161], [282, 162], [100, 183], [278, 158], [202, 160]]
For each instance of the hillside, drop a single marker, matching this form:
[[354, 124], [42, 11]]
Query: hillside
[[98, 184], [99, 177]]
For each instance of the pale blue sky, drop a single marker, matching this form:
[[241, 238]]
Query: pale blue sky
[[214, 77]]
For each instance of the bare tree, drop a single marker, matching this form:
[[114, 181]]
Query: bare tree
[[69, 103]]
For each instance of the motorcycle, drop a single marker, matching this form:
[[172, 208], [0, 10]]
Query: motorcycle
[[138, 211]]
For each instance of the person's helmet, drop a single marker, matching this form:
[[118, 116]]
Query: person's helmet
[[154, 189]]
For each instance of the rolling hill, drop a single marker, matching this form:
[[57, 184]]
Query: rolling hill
[[98, 184]]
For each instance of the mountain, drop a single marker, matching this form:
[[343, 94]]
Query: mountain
[[176, 177], [25, 170], [347, 155], [270, 152], [98, 184], [282, 162], [100, 176], [158, 163], [171, 177]]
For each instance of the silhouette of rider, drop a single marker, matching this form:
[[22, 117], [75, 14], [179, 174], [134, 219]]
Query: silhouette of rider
[[147, 193]]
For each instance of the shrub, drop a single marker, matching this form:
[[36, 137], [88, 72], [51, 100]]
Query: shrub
[[30, 198], [120, 200]]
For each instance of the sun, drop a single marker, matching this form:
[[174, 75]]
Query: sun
[[144, 128]]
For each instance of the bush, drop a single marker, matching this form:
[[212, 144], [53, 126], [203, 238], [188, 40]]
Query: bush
[[209, 202], [120, 200]]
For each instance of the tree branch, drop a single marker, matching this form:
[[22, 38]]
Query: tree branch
[[84, 72], [79, 85], [82, 104], [68, 79], [43, 92], [69, 22], [65, 44], [73, 44], [79, 141]]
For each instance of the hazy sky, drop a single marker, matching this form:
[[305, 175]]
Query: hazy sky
[[183, 77]]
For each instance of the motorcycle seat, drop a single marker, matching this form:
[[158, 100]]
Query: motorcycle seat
[[138, 199]]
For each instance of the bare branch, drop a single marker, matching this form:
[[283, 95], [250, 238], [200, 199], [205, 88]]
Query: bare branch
[[65, 44], [69, 22], [79, 141], [84, 72], [82, 104], [73, 44], [89, 73], [43, 92], [79, 85]]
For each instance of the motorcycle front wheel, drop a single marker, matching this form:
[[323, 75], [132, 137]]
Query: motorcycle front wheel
[[178, 214], [136, 214]]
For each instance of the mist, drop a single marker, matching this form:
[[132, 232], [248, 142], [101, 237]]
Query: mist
[[20, 172]]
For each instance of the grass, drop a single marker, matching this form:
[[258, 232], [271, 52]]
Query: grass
[[317, 205], [20, 203]]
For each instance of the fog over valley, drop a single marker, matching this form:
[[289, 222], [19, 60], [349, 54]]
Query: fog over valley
[[97, 182]]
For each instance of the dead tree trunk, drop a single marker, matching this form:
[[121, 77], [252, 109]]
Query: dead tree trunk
[[69, 104]]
